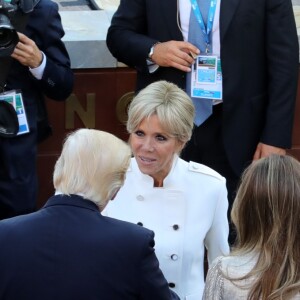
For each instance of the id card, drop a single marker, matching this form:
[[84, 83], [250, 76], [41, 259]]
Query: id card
[[206, 77], [16, 100]]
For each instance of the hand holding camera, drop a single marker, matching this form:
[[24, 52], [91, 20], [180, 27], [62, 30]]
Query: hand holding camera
[[13, 16], [27, 52]]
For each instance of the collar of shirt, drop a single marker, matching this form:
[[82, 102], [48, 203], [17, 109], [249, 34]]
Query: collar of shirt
[[184, 7]]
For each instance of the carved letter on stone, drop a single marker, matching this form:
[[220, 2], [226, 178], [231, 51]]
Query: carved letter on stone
[[86, 115]]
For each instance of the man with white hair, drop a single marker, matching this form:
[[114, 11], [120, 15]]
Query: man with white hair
[[68, 250]]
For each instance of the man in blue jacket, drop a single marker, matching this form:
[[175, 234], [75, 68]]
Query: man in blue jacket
[[257, 48], [40, 66], [68, 250]]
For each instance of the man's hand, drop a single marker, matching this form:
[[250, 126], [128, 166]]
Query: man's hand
[[27, 52], [263, 150], [175, 54]]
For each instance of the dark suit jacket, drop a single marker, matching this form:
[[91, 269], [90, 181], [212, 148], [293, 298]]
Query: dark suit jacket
[[69, 251], [18, 155], [259, 57], [45, 28]]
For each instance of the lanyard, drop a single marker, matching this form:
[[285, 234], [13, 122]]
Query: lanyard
[[210, 19]]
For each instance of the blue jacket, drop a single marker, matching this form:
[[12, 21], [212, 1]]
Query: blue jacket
[[18, 180], [259, 58], [68, 251]]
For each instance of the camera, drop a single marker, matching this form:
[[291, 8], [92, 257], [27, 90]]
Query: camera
[[8, 34]]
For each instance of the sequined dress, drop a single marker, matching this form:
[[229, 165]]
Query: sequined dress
[[218, 287]]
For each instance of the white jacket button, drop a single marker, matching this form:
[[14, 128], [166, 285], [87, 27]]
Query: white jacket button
[[140, 197], [195, 167]]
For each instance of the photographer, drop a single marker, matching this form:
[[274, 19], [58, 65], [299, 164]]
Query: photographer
[[39, 66]]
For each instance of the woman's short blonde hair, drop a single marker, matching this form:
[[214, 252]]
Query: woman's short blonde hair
[[92, 163], [174, 108]]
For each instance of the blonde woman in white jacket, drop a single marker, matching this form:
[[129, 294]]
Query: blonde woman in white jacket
[[184, 203]]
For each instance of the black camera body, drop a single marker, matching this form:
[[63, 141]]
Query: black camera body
[[8, 34]]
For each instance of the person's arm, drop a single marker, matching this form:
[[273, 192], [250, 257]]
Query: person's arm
[[281, 43], [214, 282], [152, 282], [127, 37], [129, 42], [216, 240], [44, 33], [58, 79], [46, 57]]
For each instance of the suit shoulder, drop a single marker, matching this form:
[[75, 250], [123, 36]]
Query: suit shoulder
[[136, 238], [127, 227], [46, 3], [45, 11], [199, 168]]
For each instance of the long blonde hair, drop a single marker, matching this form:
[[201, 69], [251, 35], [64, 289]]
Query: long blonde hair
[[266, 213]]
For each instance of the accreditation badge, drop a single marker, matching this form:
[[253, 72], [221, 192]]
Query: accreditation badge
[[15, 98], [206, 77]]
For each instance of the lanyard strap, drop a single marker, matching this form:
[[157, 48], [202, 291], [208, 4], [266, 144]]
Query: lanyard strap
[[210, 19]]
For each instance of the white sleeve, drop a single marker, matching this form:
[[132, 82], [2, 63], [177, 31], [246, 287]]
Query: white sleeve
[[39, 71], [216, 240]]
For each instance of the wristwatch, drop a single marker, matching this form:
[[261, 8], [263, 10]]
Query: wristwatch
[[151, 51]]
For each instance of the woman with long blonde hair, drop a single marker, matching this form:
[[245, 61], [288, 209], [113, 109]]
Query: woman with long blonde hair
[[265, 263]]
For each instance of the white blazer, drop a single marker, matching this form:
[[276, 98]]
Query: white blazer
[[188, 212]]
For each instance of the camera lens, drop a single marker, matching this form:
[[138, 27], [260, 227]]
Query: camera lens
[[6, 36]]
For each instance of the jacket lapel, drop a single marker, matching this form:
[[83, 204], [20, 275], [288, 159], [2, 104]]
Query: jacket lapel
[[169, 9], [227, 11]]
